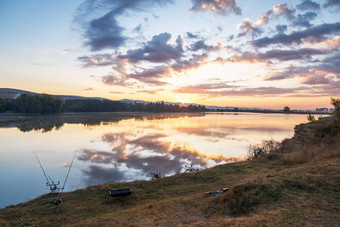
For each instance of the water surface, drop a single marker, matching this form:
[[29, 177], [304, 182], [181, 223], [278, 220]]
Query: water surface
[[123, 147]]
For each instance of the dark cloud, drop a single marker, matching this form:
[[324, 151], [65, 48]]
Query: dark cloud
[[304, 19], [223, 7], [308, 5], [200, 45], [192, 35], [98, 20], [156, 50], [332, 3], [104, 33], [281, 28], [317, 33]]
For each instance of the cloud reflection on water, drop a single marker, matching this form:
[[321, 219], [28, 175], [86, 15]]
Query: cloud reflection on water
[[145, 154]]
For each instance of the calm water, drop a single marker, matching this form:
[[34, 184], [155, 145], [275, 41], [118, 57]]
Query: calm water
[[123, 147]]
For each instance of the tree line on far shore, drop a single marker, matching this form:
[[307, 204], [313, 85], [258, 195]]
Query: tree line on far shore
[[48, 104]]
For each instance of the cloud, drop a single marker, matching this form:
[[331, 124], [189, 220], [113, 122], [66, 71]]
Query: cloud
[[330, 64], [308, 5], [316, 79], [152, 92], [115, 79], [278, 55], [156, 50], [284, 10], [332, 3], [281, 10], [205, 88], [304, 19], [97, 60], [248, 27], [64, 51], [89, 89], [281, 28], [98, 21], [329, 43], [192, 35], [223, 7], [325, 72], [163, 57], [152, 76], [138, 28], [201, 45], [316, 33], [254, 29]]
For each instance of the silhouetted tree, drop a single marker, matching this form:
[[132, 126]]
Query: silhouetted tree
[[286, 109]]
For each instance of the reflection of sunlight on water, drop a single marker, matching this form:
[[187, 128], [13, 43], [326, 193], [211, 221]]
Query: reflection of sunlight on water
[[129, 149]]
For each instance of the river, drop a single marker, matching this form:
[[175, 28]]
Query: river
[[123, 146]]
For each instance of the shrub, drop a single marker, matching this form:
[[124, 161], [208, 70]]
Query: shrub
[[336, 104], [310, 118], [265, 147]]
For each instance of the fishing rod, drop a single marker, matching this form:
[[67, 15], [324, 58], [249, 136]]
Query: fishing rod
[[62, 189], [54, 189], [47, 182]]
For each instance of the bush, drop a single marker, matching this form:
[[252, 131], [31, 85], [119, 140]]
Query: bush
[[310, 118], [336, 104], [265, 147]]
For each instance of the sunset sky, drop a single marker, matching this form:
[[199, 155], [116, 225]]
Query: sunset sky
[[266, 54]]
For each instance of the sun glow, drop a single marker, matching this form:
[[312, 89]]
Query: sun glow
[[183, 98]]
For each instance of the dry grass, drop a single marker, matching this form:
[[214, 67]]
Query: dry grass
[[290, 187]]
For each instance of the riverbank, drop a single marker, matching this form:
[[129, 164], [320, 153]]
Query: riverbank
[[298, 184]]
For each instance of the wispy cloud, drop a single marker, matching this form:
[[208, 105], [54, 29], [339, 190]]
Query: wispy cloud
[[89, 89], [99, 24]]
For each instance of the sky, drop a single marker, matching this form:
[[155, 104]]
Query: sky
[[264, 54]]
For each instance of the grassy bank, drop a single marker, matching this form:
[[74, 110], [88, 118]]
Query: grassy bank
[[296, 184]]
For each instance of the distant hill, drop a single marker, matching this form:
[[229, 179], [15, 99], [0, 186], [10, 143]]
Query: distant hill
[[10, 93]]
